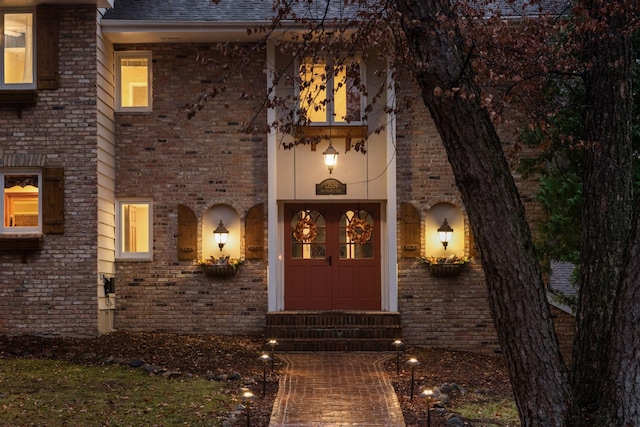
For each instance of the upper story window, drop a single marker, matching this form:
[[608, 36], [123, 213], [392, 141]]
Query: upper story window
[[133, 81], [21, 202], [331, 94], [18, 50]]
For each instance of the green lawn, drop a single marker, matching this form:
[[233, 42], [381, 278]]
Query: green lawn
[[488, 410], [50, 393]]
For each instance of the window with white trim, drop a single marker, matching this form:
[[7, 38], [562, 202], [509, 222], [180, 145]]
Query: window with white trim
[[133, 81], [18, 49], [331, 94], [21, 201], [134, 229]]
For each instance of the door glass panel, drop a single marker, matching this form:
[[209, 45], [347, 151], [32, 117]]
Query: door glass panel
[[308, 235], [356, 234]]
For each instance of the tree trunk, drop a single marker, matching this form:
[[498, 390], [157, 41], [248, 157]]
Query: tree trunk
[[623, 389], [607, 200], [516, 291]]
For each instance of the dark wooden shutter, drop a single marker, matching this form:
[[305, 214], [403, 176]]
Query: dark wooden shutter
[[47, 46], [254, 232], [187, 233], [410, 229], [53, 200]]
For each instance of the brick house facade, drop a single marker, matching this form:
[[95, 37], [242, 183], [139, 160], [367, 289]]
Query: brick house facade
[[53, 290], [210, 168]]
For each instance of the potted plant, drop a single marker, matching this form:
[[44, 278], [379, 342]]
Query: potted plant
[[444, 266], [221, 267]]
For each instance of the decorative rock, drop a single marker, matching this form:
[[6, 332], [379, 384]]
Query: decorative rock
[[171, 374], [235, 376], [440, 411], [221, 377], [446, 388], [136, 363], [152, 369], [454, 422]]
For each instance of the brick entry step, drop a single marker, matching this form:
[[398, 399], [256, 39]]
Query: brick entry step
[[334, 330]]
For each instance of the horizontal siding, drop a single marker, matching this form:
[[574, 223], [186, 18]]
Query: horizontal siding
[[106, 156]]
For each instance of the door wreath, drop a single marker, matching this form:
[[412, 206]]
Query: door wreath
[[305, 231], [359, 231]]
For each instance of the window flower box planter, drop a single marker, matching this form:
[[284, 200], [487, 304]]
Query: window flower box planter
[[220, 270], [445, 270], [444, 267], [221, 267], [22, 245]]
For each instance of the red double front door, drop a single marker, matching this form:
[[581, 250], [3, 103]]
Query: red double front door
[[332, 257]]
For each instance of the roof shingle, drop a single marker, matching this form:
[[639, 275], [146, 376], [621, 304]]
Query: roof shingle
[[259, 11]]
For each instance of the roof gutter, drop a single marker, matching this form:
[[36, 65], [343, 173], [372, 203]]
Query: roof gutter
[[129, 31]]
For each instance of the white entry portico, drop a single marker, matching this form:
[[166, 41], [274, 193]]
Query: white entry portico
[[370, 178]]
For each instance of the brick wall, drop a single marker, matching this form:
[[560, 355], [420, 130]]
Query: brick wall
[[199, 163], [54, 292], [565, 329], [445, 312]]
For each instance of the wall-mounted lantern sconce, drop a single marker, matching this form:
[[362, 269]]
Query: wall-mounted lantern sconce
[[220, 234], [330, 157], [445, 231]]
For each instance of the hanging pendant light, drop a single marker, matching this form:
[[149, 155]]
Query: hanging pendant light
[[330, 157]]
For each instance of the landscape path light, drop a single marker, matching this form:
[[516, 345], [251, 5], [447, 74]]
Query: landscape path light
[[397, 344], [427, 394], [247, 397], [272, 343], [412, 362], [264, 358]]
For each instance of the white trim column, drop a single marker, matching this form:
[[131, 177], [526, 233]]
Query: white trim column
[[391, 303], [274, 269]]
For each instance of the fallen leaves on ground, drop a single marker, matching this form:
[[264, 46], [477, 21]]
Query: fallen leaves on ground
[[210, 355]]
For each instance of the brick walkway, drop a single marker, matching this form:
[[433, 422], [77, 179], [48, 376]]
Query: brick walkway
[[335, 389]]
